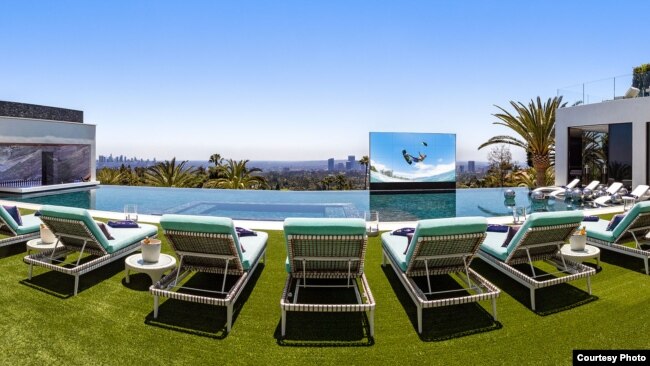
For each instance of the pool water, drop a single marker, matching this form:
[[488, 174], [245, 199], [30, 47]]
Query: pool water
[[278, 205]]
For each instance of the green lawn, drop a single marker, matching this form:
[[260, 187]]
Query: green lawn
[[110, 322]]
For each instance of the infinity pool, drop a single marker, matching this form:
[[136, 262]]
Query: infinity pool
[[278, 205]]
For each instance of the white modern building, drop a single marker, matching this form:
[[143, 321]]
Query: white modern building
[[606, 141], [44, 148]]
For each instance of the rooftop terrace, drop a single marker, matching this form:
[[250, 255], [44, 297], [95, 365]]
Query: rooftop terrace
[[111, 322]]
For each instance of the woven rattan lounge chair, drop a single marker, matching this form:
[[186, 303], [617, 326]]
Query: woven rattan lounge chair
[[636, 223], [331, 249], [30, 228], [76, 232], [440, 247], [208, 244], [538, 239]]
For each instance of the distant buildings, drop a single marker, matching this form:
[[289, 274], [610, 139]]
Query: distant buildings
[[461, 168], [471, 167], [330, 164]]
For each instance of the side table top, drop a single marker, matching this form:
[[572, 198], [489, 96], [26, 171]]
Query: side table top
[[37, 244], [136, 261], [589, 251]]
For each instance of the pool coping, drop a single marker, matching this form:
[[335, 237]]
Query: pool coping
[[278, 225]]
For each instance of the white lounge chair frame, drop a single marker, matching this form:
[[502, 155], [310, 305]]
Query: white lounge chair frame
[[434, 255], [82, 241], [541, 243], [197, 260], [641, 224], [330, 265]]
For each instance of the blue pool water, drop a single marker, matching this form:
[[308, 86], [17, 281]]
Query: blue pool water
[[278, 205]]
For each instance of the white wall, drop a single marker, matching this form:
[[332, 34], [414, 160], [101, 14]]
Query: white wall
[[35, 131], [635, 110]]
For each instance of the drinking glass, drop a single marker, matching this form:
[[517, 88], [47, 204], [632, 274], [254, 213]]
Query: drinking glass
[[521, 214], [372, 222], [131, 212]]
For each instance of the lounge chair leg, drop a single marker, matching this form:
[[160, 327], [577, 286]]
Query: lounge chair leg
[[229, 317], [532, 298], [494, 309], [284, 323], [29, 275], [371, 322], [589, 284], [646, 266], [419, 320], [155, 307], [76, 284]]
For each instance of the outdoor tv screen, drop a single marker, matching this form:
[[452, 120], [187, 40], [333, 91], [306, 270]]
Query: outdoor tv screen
[[412, 161]]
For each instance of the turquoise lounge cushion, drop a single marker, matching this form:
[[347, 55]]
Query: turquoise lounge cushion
[[598, 229], [538, 219], [123, 237], [14, 213], [450, 226], [218, 225], [7, 218], [320, 226], [31, 224], [394, 245], [493, 244]]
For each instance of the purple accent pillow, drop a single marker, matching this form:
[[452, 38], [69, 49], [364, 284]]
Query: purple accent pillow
[[409, 239], [403, 231], [241, 232], [511, 234], [104, 230], [124, 224], [591, 218], [614, 222], [498, 228], [15, 214]]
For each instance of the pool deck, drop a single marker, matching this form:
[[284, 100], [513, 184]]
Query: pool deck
[[277, 225]]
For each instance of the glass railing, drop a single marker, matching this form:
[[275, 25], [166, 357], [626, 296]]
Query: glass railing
[[618, 87]]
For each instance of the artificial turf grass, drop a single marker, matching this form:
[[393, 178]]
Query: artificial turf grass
[[109, 323]]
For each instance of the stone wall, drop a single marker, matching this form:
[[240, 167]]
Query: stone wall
[[24, 110]]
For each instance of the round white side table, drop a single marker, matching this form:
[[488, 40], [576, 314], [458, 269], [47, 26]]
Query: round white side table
[[590, 252], [37, 245], [155, 270]]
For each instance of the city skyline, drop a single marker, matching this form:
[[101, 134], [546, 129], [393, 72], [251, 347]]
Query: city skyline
[[302, 80]]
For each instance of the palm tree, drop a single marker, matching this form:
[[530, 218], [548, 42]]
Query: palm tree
[[235, 175], [109, 176], [365, 161], [169, 174], [342, 182], [535, 125]]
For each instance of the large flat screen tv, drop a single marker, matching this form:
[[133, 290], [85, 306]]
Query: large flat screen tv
[[404, 161]]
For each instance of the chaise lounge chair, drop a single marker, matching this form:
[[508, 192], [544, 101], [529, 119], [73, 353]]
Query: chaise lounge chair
[[547, 191], [211, 245], [30, 228], [539, 239], [635, 223], [326, 249], [440, 247], [611, 190], [560, 193], [640, 193], [77, 232]]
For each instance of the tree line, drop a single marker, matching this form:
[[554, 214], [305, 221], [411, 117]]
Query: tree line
[[230, 174]]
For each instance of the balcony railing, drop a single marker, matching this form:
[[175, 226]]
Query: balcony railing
[[598, 91]]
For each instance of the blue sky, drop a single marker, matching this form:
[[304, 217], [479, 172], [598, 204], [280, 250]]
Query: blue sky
[[298, 80]]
